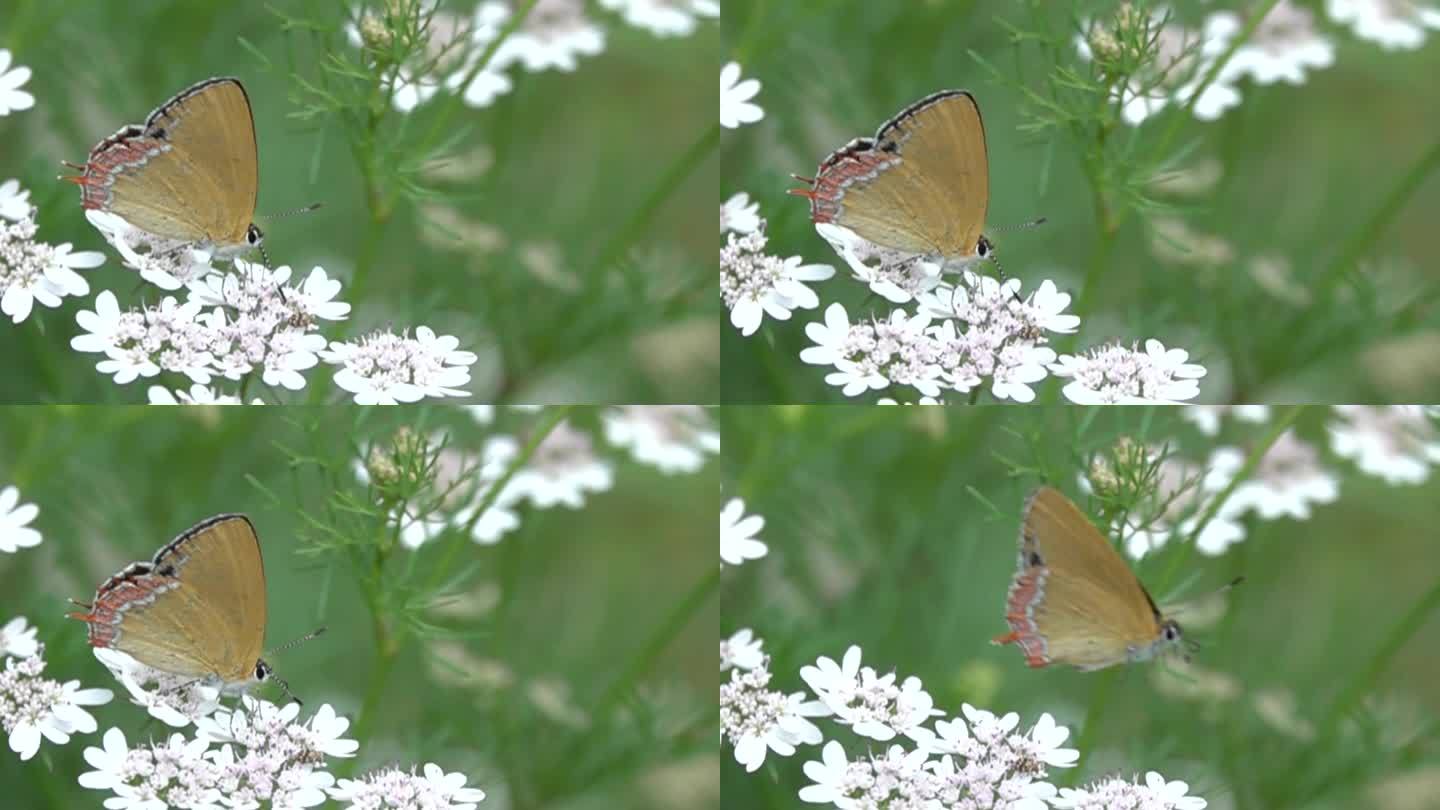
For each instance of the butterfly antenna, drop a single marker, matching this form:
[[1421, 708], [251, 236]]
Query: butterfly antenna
[[1021, 227], [287, 645], [285, 687], [292, 212]]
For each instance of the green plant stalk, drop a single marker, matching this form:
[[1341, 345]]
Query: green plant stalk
[[1365, 680], [553, 416], [659, 641], [1257, 454], [1094, 713], [456, 100], [673, 177], [1368, 234]]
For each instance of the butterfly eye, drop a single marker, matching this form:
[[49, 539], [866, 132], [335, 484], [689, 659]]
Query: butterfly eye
[[1172, 632]]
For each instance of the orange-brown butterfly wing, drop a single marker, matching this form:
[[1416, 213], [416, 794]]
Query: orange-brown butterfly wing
[[197, 609], [1074, 600], [882, 190], [191, 173]]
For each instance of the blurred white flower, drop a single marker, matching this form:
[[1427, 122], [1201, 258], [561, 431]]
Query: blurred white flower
[[1394, 24], [672, 438], [737, 534], [736, 108], [1288, 480], [740, 651], [1396, 442], [1282, 48], [561, 470], [664, 18], [739, 214], [553, 35], [14, 201], [1183, 58], [1207, 417], [11, 96], [15, 517], [18, 640], [754, 284]]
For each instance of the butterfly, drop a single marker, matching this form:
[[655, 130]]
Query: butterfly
[[1074, 600]]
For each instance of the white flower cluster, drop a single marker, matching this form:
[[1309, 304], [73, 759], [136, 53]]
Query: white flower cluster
[[552, 36], [34, 272], [754, 284], [565, 467], [1397, 443]]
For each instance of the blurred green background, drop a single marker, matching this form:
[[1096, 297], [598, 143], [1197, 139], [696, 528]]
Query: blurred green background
[[895, 529], [566, 241], [507, 684], [1299, 174]]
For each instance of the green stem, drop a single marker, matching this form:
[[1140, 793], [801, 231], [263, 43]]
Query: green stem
[[1365, 680], [659, 641], [1257, 454], [454, 101], [1099, 699], [673, 177], [553, 417], [1369, 234]]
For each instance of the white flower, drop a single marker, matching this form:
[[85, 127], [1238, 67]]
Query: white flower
[[394, 789], [741, 650], [754, 284], [1281, 49], [1114, 792], [33, 707], [553, 35], [757, 720], [15, 517], [870, 703], [197, 395], [1396, 442], [831, 777], [664, 17], [562, 469], [265, 757], [384, 368], [11, 96], [1182, 59], [737, 534], [1207, 417], [167, 263], [736, 108], [1395, 24], [672, 438], [736, 214], [1114, 374], [893, 275], [175, 700], [137, 343], [1289, 478], [874, 355], [32, 271], [18, 641], [14, 201]]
